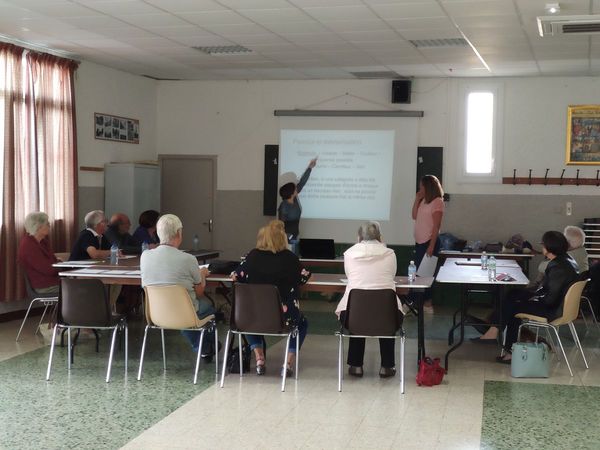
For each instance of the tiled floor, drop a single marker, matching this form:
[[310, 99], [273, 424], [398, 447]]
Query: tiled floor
[[478, 404]]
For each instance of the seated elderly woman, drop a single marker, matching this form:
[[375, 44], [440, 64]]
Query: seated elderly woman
[[576, 238], [91, 244], [546, 302], [166, 264], [369, 264], [35, 255], [272, 263]]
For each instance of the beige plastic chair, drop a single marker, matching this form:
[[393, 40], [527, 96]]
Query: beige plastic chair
[[570, 313], [169, 307]]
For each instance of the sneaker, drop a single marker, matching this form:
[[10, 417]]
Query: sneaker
[[355, 371]]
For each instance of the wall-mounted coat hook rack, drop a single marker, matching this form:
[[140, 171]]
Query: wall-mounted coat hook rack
[[546, 180]]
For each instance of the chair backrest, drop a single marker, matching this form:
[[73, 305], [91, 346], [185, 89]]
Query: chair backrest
[[373, 312], [571, 303], [257, 308], [83, 302], [170, 306]]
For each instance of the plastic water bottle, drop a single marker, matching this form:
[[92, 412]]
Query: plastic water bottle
[[484, 261], [196, 243], [491, 269], [114, 254], [144, 246], [412, 272]]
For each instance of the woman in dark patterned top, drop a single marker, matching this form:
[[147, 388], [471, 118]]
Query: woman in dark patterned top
[[289, 210], [272, 263]]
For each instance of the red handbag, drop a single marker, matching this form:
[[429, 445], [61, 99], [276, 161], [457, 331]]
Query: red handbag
[[430, 372]]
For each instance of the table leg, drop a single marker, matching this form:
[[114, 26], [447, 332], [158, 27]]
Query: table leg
[[462, 326], [420, 332]]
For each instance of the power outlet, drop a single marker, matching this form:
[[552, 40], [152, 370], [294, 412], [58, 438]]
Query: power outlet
[[569, 209]]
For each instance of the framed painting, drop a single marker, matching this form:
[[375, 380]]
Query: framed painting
[[583, 134], [115, 128]]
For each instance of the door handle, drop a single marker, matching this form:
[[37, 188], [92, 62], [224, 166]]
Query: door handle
[[210, 225]]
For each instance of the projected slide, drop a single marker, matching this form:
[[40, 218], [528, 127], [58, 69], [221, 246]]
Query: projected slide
[[353, 176]]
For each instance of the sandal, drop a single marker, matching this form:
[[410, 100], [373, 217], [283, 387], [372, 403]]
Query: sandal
[[261, 368]]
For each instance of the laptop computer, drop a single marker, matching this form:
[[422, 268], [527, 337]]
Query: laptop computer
[[317, 248]]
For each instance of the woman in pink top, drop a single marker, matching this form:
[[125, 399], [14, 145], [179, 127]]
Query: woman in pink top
[[427, 212]]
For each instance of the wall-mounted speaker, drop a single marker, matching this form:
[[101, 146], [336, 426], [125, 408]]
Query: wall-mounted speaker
[[270, 180], [401, 91]]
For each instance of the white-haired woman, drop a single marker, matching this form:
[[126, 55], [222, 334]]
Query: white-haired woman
[[576, 238], [36, 256], [91, 244], [369, 264]]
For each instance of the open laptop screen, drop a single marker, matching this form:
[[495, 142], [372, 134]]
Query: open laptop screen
[[317, 248]]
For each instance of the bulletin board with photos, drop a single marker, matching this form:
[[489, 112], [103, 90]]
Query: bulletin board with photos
[[115, 128]]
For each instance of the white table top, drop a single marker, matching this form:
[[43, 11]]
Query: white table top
[[317, 279], [500, 263], [450, 272], [457, 254]]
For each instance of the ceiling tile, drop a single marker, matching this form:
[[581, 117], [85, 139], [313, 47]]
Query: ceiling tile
[[279, 74], [118, 8], [325, 72], [327, 13], [356, 25], [369, 36], [256, 39], [153, 20], [214, 18], [312, 3], [309, 26], [431, 22], [429, 33], [236, 30], [265, 16], [409, 10], [177, 6], [255, 4], [479, 8]]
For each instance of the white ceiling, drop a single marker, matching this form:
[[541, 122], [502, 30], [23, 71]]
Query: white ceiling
[[305, 39]]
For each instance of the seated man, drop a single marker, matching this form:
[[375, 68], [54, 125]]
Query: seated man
[[117, 232], [91, 244], [166, 264]]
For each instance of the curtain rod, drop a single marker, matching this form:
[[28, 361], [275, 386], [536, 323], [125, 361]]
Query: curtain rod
[[345, 113]]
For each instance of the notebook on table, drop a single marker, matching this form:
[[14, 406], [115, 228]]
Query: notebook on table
[[317, 248]]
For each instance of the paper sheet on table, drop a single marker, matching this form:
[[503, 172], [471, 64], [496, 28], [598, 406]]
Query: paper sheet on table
[[427, 266]]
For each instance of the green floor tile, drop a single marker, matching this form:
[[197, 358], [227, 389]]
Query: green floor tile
[[80, 410], [540, 416]]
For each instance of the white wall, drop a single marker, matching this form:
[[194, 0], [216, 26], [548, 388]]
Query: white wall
[[104, 90], [234, 119]]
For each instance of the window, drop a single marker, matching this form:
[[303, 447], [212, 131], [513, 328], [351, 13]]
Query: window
[[480, 131]]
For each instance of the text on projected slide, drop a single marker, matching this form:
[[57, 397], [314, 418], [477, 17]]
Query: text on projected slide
[[353, 176]]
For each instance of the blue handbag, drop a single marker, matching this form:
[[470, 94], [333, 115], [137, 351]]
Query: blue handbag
[[530, 360]]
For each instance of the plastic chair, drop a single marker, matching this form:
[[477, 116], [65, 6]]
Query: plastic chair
[[372, 314], [256, 309], [570, 312], [169, 307], [46, 299], [83, 303]]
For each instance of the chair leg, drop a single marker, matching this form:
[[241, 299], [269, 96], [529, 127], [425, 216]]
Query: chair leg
[[340, 362], [126, 329], [240, 344], [69, 349], [503, 341], [164, 351], [25, 318], [551, 341], [51, 352], [402, 341], [225, 354], [112, 351], [297, 352], [139, 376], [216, 331], [41, 318], [285, 358], [198, 356], [594, 318], [578, 343], [583, 317], [562, 350]]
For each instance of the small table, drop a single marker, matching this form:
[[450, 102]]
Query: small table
[[522, 258], [455, 271]]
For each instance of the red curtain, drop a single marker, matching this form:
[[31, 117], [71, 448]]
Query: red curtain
[[39, 153]]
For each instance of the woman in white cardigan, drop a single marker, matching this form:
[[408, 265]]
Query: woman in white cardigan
[[369, 264]]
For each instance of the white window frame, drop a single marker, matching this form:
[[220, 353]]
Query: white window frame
[[497, 89]]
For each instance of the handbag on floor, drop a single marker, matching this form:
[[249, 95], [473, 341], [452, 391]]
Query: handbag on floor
[[530, 360], [233, 359], [430, 372]]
